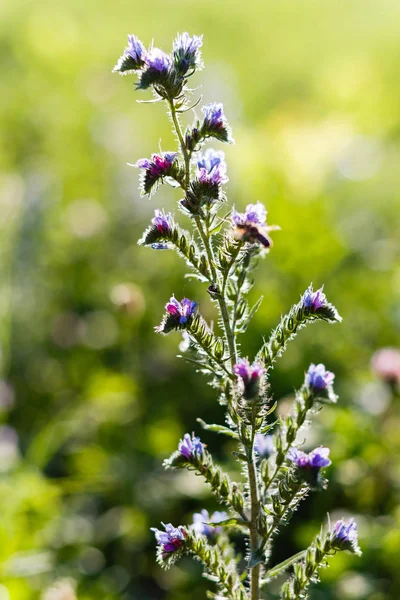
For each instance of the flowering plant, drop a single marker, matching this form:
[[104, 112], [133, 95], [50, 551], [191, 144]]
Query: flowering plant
[[222, 249]]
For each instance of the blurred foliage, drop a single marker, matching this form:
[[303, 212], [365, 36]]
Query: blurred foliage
[[91, 400]]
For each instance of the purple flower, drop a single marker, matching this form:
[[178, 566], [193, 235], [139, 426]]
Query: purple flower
[[314, 300], [186, 52], [250, 376], [181, 310], [190, 447], [158, 165], [201, 520], [315, 460], [212, 167], [215, 123], [162, 221], [158, 60], [344, 536], [254, 214], [171, 539], [135, 50], [263, 445], [318, 378], [155, 168], [159, 246], [133, 57]]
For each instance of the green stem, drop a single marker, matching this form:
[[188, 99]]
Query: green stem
[[230, 338], [255, 511], [185, 153]]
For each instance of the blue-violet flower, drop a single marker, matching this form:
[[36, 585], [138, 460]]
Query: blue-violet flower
[[215, 122], [318, 378], [186, 52], [212, 167], [316, 459], [158, 60], [171, 539], [264, 445], [344, 536], [314, 300], [133, 57], [191, 447], [201, 522]]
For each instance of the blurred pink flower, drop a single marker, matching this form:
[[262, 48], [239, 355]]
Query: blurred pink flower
[[386, 364]]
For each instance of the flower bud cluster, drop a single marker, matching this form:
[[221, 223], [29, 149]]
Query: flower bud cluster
[[313, 306], [343, 536], [165, 73], [192, 454]]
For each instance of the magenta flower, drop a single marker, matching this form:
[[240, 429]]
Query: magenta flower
[[171, 539], [344, 536], [190, 447], [162, 221], [158, 165], [314, 300], [201, 522], [318, 378], [250, 376], [155, 169], [182, 311]]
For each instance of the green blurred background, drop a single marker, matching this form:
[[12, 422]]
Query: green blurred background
[[91, 401]]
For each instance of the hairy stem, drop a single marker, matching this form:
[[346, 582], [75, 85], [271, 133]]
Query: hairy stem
[[230, 338], [255, 511]]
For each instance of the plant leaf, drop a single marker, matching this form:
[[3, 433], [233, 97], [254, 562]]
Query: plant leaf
[[218, 429]]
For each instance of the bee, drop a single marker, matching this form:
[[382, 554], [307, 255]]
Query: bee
[[254, 232]]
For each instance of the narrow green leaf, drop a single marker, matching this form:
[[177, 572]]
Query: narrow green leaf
[[229, 522], [275, 571], [218, 429]]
